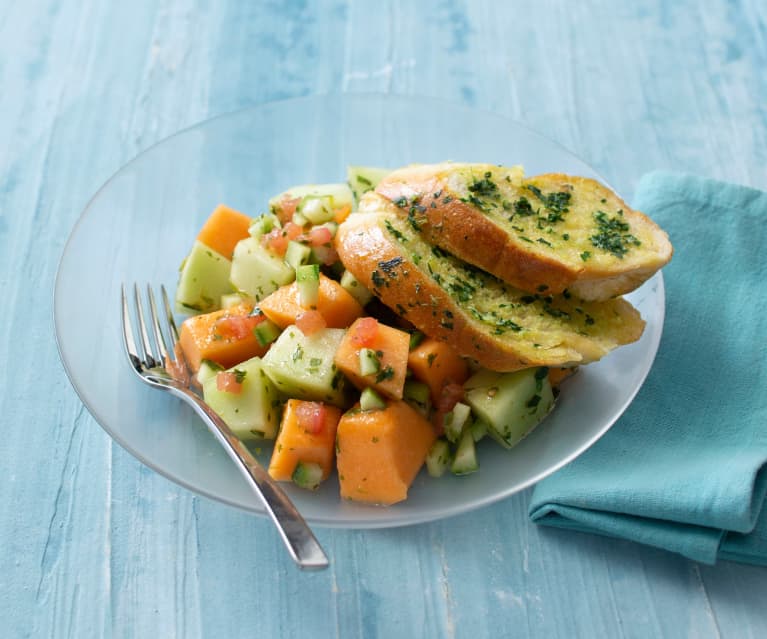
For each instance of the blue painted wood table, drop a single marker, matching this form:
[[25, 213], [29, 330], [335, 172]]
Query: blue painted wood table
[[93, 544]]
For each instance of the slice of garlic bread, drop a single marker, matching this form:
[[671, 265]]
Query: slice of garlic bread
[[550, 232], [501, 327]]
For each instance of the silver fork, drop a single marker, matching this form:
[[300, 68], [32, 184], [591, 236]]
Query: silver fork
[[151, 365]]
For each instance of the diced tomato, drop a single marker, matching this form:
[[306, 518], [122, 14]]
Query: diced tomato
[[451, 394], [365, 331], [311, 416], [325, 254], [238, 326], [276, 241], [287, 208], [320, 235], [292, 230], [228, 382], [309, 322]]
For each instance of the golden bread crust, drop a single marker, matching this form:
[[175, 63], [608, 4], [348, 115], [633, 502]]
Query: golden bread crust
[[375, 246], [472, 211]]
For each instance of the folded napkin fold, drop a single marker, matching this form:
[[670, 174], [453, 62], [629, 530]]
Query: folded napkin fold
[[685, 468]]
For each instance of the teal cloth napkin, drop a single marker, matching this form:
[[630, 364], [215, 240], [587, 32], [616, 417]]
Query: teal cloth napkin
[[685, 468]]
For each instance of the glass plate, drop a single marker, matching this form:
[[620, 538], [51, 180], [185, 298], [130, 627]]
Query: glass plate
[[142, 222]]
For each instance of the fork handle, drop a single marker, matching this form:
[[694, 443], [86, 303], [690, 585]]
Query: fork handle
[[295, 532]]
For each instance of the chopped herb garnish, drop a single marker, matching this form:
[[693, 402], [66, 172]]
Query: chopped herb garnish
[[386, 373], [388, 266], [411, 218], [523, 208], [534, 401], [378, 280], [399, 236], [613, 234], [557, 202], [484, 187]]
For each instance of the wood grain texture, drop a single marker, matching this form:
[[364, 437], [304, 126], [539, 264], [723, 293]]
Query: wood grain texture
[[92, 544]]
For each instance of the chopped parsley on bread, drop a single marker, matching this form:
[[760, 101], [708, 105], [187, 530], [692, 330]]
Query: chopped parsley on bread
[[500, 326], [554, 231]]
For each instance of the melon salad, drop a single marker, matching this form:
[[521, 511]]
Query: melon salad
[[288, 346]]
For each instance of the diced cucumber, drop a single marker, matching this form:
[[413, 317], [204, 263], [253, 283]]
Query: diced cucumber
[[455, 420], [416, 337], [203, 279], [256, 271], [299, 218], [316, 208], [355, 288], [478, 428], [307, 475], [369, 362], [512, 404], [233, 299], [297, 254], [266, 332], [302, 365], [208, 369], [465, 460], [364, 178], [254, 412], [439, 457], [263, 224], [417, 394], [308, 281], [340, 194], [370, 400]]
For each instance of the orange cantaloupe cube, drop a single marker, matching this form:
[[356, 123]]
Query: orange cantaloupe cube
[[223, 229], [201, 338], [391, 346], [559, 375], [436, 364], [294, 444], [379, 452], [334, 303], [341, 213]]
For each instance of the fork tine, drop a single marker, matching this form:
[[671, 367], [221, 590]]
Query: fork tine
[[169, 316], [146, 345], [158, 334], [128, 340]]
